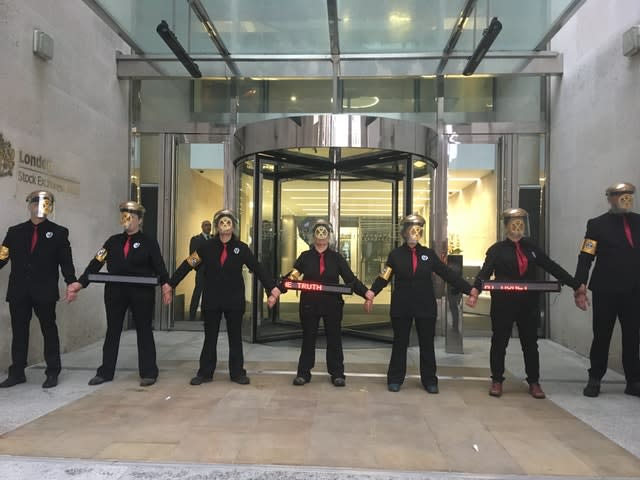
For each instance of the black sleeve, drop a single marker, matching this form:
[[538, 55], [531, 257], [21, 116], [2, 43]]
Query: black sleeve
[[487, 268], [449, 276], [554, 269], [157, 262], [585, 259], [344, 270], [179, 274], [192, 245], [94, 266], [379, 283], [65, 258], [256, 267]]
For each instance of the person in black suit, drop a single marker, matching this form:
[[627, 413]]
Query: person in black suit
[[321, 263], [36, 248], [131, 252], [613, 240], [196, 242], [222, 259], [515, 259], [413, 298]]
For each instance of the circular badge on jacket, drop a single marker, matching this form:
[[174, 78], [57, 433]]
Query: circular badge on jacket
[[236, 250], [136, 245], [49, 234], [424, 258]]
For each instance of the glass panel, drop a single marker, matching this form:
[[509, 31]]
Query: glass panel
[[401, 26], [472, 228], [378, 95], [145, 178], [199, 193], [246, 171], [422, 195], [366, 238]]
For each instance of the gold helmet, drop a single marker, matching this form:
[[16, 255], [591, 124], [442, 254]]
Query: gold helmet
[[224, 221], [128, 208], [515, 223], [412, 227], [620, 197], [321, 230], [45, 201]]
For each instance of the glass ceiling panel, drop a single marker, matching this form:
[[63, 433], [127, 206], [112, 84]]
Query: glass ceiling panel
[[399, 26]]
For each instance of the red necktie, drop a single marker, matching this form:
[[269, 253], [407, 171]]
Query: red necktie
[[414, 259], [627, 231], [223, 255], [127, 245], [523, 262], [34, 238], [321, 263]]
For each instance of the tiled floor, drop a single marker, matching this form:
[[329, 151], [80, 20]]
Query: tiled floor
[[362, 426]]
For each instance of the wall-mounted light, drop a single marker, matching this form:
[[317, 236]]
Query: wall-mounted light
[[178, 50], [488, 37], [42, 45]]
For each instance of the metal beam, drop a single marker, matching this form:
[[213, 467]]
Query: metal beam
[[559, 23], [110, 21], [455, 34], [203, 16]]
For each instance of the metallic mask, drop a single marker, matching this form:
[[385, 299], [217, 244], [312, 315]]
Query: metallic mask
[[516, 228], [224, 221], [621, 197], [415, 232], [44, 199], [321, 232], [515, 223], [127, 209], [225, 225], [412, 227]]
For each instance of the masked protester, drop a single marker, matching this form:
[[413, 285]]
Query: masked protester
[[321, 263], [222, 258], [36, 249], [128, 253], [515, 259], [613, 240], [413, 298]]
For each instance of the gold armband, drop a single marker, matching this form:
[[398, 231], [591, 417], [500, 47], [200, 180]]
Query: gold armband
[[294, 275], [589, 246], [101, 255], [194, 260], [386, 273], [4, 252]]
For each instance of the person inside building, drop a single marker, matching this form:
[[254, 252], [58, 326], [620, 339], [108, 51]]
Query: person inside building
[[36, 248], [515, 259], [222, 258], [322, 263], [129, 253], [195, 243], [613, 240], [413, 299]]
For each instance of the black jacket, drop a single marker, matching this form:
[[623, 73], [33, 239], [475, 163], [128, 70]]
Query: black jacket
[[308, 264], [224, 285], [196, 242], [413, 292], [144, 258], [35, 274], [502, 262], [617, 266]]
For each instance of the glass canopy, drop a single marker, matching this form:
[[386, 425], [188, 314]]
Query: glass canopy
[[320, 38]]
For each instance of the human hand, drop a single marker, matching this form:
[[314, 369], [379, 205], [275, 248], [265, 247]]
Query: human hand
[[167, 293], [271, 301], [472, 299], [368, 306], [72, 291], [275, 292], [580, 298], [370, 295]]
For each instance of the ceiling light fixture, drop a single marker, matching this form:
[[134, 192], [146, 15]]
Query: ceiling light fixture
[[488, 37]]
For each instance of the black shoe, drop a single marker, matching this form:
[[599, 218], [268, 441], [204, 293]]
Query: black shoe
[[242, 380], [50, 382], [393, 387], [339, 382], [12, 381], [633, 388], [592, 389], [432, 388], [147, 382], [98, 380], [298, 381], [198, 380]]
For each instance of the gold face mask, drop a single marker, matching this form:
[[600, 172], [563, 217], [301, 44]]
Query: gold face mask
[[45, 207], [321, 233], [225, 225], [515, 228], [625, 202], [415, 232], [125, 219]]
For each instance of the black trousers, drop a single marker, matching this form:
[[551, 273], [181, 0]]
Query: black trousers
[[21, 312], [197, 295], [118, 298], [209, 354], [606, 307], [310, 315], [425, 327], [521, 308]]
